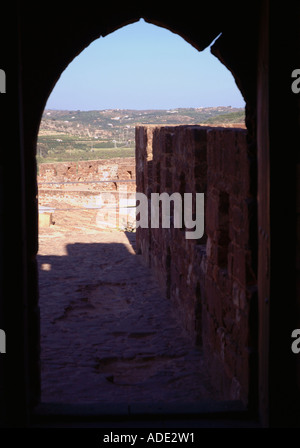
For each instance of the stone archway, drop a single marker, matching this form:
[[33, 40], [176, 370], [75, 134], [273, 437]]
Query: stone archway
[[38, 46], [57, 49], [202, 171]]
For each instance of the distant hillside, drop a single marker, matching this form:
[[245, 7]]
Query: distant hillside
[[81, 135], [233, 117]]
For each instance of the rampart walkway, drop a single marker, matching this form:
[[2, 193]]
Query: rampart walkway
[[107, 334]]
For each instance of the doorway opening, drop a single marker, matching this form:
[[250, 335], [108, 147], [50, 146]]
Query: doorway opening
[[107, 335]]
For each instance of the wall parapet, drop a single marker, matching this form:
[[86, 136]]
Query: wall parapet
[[106, 186], [87, 170], [210, 280]]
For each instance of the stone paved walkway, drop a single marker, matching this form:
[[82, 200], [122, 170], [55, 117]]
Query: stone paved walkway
[[107, 334]]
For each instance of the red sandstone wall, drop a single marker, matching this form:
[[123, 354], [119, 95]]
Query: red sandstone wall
[[89, 170], [210, 279], [230, 283], [106, 185], [172, 159]]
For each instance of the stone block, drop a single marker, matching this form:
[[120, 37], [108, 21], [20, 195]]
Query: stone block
[[45, 219]]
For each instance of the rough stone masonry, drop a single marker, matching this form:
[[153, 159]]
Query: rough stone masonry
[[210, 280], [91, 184]]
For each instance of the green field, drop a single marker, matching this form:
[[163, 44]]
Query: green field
[[234, 117], [66, 148], [104, 134]]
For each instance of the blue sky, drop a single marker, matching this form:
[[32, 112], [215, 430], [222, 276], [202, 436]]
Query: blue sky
[[142, 66]]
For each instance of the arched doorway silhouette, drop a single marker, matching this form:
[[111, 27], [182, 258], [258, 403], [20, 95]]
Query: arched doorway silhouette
[[199, 336], [241, 58]]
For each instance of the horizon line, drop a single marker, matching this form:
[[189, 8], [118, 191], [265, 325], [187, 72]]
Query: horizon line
[[162, 109]]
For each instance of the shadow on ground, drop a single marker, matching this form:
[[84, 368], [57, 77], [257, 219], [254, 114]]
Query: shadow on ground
[[107, 333]]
